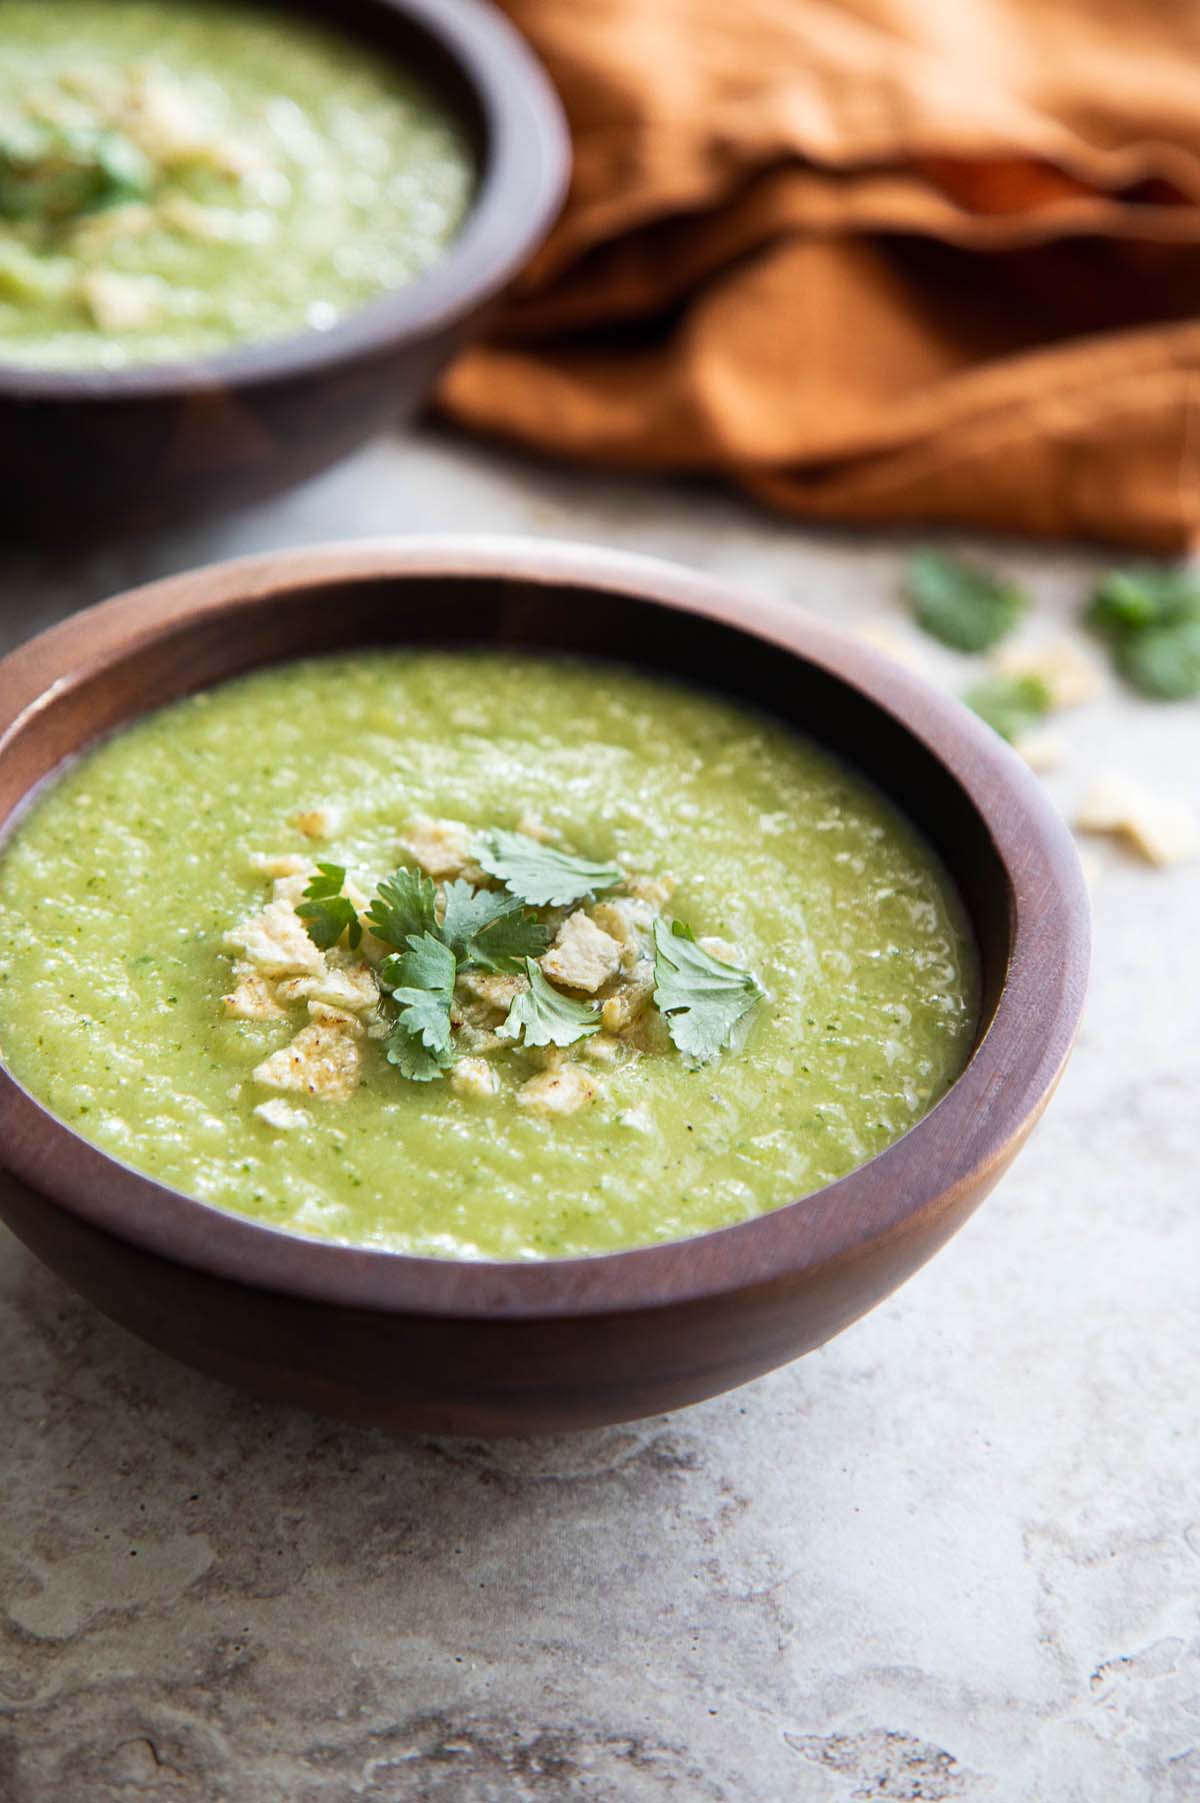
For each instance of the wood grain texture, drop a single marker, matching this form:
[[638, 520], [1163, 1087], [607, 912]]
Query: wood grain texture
[[98, 451], [485, 1348]]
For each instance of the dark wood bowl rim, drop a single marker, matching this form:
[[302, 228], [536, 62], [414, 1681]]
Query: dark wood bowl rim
[[521, 188], [952, 1152]]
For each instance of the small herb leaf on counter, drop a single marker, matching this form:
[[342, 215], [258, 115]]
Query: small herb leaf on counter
[[545, 1017], [961, 603], [701, 997], [326, 912], [1132, 600], [1163, 661], [538, 874], [1010, 704]]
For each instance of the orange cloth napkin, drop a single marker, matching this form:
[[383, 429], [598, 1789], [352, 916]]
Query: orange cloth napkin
[[877, 260]]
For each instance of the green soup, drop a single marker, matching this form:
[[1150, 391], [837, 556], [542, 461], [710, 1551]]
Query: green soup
[[119, 890], [177, 177]]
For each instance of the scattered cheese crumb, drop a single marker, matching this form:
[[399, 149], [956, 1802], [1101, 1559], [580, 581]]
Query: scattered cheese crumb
[[561, 1090], [276, 943], [1163, 831], [281, 1114], [323, 1060], [441, 847], [1069, 675], [474, 1077], [583, 955], [319, 823], [601, 1046], [251, 997], [1041, 749]]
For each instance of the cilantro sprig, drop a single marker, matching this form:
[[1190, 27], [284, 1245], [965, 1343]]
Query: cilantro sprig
[[546, 1017], [702, 998], [540, 875], [421, 982], [326, 912]]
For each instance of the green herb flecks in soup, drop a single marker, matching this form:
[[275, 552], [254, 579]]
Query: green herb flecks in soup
[[478, 955], [179, 178]]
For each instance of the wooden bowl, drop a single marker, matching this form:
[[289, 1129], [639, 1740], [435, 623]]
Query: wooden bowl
[[444, 1346], [96, 451]]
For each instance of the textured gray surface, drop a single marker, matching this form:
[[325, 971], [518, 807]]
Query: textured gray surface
[[955, 1555]]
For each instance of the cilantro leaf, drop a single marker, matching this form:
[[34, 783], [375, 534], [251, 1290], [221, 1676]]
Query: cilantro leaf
[[1010, 704], [402, 905], [505, 945], [1151, 595], [488, 929], [538, 874], [545, 1016], [326, 912], [960, 603], [422, 984], [702, 998], [412, 1058], [58, 173], [1163, 661]]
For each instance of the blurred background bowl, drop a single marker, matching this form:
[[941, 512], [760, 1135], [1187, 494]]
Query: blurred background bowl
[[447, 1346], [96, 452]]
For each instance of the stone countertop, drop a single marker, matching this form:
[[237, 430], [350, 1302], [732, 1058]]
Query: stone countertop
[[954, 1555]]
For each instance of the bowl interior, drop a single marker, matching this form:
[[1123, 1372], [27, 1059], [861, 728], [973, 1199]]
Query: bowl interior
[[478, 66], [563, 616]]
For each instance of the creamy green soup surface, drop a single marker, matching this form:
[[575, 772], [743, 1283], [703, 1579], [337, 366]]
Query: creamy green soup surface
[[177, 178], [147, 905]]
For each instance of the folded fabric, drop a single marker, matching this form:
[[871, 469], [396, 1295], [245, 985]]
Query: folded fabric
[[879, 260]]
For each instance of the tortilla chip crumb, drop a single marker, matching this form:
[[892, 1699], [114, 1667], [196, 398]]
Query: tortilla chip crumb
[[1164, 831], [276, 943], [319, 823], [657, 890], [474, 1077], [719, 949], [1041, 750], [252, 997], [1069, 676], [583, 955], [288, 863], [323, 1060], [281, 1114], [562, 1090], [441, 847]]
